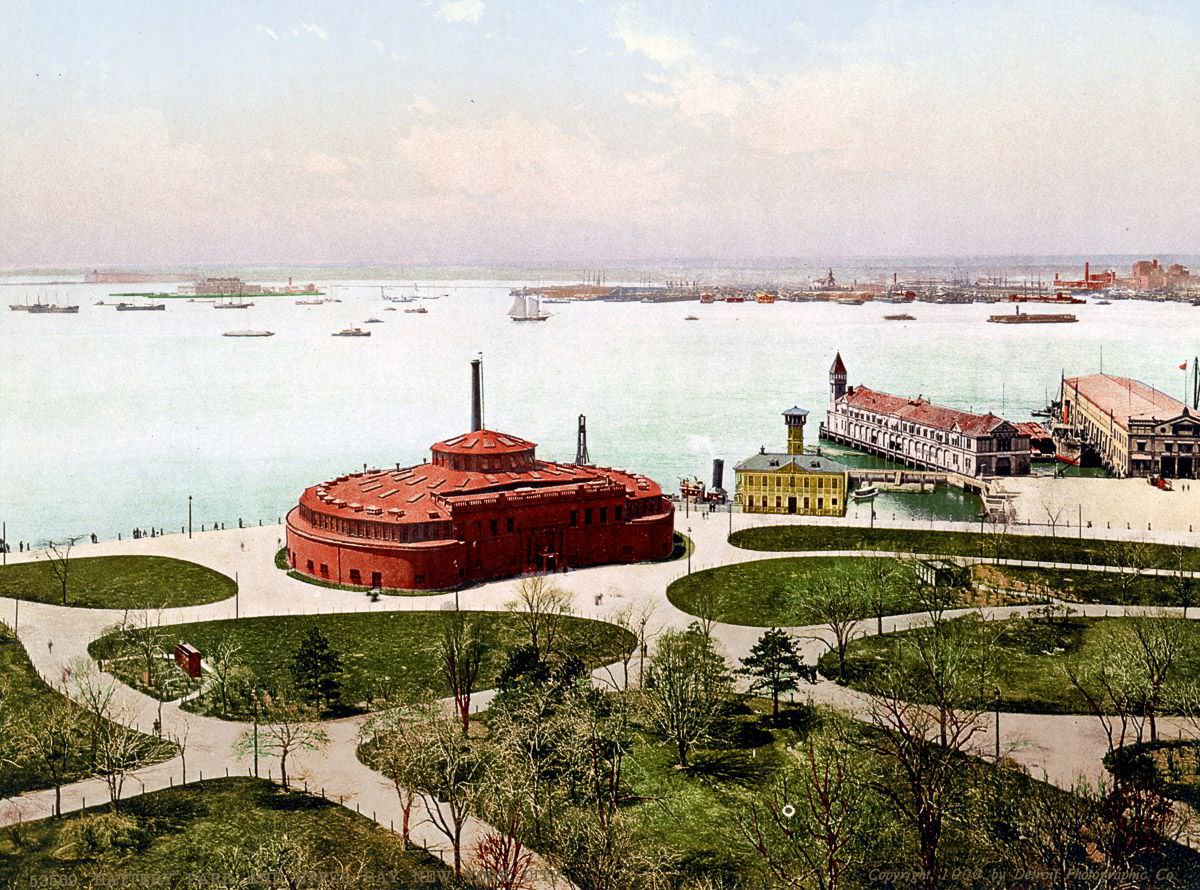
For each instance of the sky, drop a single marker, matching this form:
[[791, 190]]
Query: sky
[[555, 131]]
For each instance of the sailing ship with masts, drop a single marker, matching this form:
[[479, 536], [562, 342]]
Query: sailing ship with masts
[[527, 307]]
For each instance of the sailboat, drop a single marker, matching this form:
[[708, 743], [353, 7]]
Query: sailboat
[[527, 307]]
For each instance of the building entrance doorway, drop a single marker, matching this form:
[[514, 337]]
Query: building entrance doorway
[[791, 505], [1168, 467], [1185, 467], [376, 580]]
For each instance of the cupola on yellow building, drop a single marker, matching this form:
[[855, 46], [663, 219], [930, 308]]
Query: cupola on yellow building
[[793, 482]]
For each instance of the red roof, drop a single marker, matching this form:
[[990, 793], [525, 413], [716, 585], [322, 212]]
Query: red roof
[[483, 441], [922, 411], [429, 491], [1125, 398], [839, 367]]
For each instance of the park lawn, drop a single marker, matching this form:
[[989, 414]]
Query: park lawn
[[23, 691], [692, 813], [1031, 658], [384, 655], [1082, 586], [1083, 551], [771, 592], [178, 835], [118, 582]]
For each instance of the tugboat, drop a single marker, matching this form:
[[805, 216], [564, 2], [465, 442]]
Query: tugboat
[[141, 307], [352, 332]]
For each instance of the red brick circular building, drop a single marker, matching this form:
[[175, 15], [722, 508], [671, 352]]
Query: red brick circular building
[[484, 507]]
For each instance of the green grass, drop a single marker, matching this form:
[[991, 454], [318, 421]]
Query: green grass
[[771, 592], [118, 582], [941, 543], [23, 692], [174, 837], [1099, 587], [385, 655], [1030, 659]]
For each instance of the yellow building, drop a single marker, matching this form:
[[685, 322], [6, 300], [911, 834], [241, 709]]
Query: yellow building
[[795, 482]]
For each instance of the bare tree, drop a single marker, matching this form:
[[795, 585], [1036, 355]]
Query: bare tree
[[541, 605], [837, 601], [95, 694], [395, 742], [286, 730], [462, 650], [687, 687], [226, 674], [1053, 516], [1132, 560], [50, 737], [995, 539], [924, 744], [1183, 585], [812, 825], [450, 768], [58, 557], [121, 750]]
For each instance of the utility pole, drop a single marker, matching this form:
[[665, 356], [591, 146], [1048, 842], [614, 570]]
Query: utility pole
[[237, 592], [4, 542], [689, 549], [189, 517], [254, 692], [997, 724]]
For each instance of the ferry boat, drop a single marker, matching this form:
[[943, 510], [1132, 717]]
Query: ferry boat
[[248, 334], [51, 309], [1058, 298], [141, 307], [352, 332], [865, 493], [1033, 318], [527, 307], [735, 299], [707, 298], [765, 299]]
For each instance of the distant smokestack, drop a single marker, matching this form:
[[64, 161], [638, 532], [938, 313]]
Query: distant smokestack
[[476, 394], [718, 474], [1087, 276]]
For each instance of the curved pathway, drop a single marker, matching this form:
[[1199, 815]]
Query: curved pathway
[[1060, 747]]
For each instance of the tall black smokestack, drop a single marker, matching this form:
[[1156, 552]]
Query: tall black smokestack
[[476, 394], [718, 473]]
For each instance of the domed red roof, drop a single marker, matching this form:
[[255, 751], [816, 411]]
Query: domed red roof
[[484, 442]]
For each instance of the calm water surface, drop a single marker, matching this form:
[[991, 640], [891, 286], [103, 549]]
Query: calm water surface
[[111, 419]]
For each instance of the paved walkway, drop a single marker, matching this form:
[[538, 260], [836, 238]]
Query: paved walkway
[[1060, 747]]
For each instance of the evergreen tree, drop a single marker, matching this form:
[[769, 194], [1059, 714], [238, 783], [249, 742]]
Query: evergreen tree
[[774, 664], [316, 668]]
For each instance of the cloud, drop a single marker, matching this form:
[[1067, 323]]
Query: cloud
[[580, 51], [421, 105], [263, 29], [659, 47], [378, 44], [319, 162], [469, 11], [315, 30]]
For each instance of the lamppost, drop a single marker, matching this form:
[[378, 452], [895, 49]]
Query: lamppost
[[997, 724], [254, 693], [689, 549], [189, 517], [731, 516], [457, 585]]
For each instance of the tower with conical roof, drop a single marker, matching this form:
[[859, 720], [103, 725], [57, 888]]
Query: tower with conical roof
[[837, 379]]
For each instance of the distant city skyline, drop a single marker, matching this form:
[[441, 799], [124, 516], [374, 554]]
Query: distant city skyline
[[545, 133]]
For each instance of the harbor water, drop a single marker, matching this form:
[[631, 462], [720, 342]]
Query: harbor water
[[110, 420]]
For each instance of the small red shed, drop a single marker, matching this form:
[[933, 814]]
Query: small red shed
[[188, 659]]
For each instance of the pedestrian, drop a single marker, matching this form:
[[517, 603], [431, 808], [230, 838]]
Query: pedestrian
[[50, 645]]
